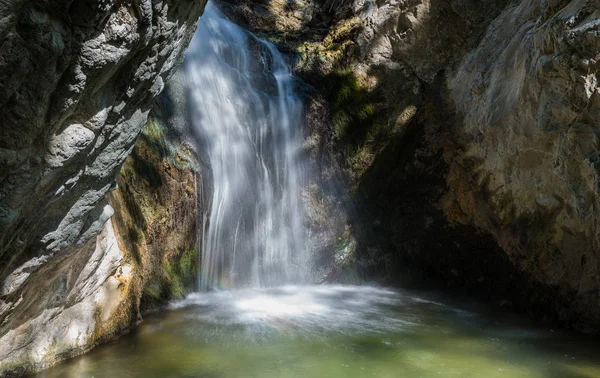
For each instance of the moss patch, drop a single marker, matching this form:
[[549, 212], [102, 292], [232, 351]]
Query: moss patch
[[175, 277], [351, 108], [156, 215]]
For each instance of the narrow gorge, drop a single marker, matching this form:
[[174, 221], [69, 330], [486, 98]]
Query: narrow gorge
[[299, 188]]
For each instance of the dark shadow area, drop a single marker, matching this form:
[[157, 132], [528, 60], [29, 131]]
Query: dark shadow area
[[406, 239], [396, 208], [146, 170], [352, 109]]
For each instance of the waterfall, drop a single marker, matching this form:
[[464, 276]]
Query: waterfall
[[249, 118]]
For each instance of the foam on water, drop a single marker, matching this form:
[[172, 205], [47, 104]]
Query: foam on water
[[308, 309]]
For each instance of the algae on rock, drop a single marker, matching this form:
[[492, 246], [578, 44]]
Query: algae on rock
[[156, 214]]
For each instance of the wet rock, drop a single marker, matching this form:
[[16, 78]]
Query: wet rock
[[159, 205]]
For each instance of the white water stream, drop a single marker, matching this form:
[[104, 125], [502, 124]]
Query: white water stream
[[245, 109]]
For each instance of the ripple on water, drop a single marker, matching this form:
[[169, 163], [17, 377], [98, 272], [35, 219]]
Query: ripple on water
[[334, 331]]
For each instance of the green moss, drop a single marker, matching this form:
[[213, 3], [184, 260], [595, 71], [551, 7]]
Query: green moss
[[354, 119], [156, 141], [352, 110], [176, 277], [153, 291], [154, 134], [153, 130], [125, 171], [188, 264], [160, 167], [182, 160], [172, 280]]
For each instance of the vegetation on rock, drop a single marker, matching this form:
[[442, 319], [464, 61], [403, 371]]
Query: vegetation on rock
[[156, 215]]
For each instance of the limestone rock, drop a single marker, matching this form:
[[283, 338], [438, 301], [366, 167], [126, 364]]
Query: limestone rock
[[531, 107], [73, 304], [77, 81]]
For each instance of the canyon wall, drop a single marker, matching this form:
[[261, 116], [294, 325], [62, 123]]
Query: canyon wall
[[78, 80], [455, 139], [467, 135]]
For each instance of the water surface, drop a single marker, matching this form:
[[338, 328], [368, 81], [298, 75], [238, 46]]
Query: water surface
[[334, 331]]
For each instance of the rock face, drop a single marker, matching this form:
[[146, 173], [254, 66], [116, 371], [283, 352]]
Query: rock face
[[467, 131], [530, 140], [157, 214], [78, 80], [82, 299]]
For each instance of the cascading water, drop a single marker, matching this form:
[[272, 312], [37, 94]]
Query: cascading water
[[246, 113], [248, 118]]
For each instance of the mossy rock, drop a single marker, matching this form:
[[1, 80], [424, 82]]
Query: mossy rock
[[352, 109], [155, 214]]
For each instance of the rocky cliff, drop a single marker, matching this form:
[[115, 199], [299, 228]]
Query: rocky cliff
[[529, 137], [467, 131], [77, 81], [454, 138]]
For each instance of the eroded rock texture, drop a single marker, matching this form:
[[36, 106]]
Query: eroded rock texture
[[158, 216], [77, 81], [531, 104], [467, 131]]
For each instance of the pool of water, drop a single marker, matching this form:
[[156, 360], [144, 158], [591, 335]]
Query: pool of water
[[334, 331]]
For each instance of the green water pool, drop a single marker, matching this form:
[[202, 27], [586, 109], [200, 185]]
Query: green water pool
[[334, 331]]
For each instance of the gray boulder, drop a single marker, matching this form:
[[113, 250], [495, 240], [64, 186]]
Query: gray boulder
[[77, 81]]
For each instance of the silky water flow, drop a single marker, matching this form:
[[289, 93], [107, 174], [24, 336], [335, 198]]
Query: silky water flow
[[246, 112]]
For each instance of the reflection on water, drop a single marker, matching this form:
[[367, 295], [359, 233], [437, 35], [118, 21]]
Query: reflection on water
[[333, 331]]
